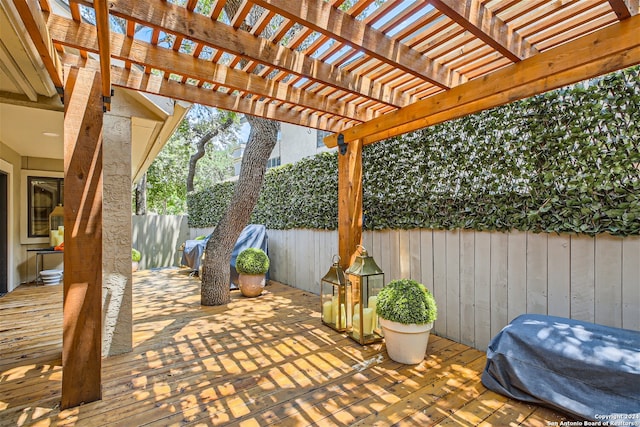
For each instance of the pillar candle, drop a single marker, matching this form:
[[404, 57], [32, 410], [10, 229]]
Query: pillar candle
[[367, 323], [374, 314], [343, 319], [334, 310], [327, 312], [356, 326]]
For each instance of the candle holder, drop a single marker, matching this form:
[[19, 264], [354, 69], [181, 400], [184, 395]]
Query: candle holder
[[335, 298], [56, 226], [366, 280]]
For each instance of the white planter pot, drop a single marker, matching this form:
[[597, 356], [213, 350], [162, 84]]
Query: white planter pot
[[406, 343], [251, 285]]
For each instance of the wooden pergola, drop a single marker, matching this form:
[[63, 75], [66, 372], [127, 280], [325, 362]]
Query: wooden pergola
[[365, 72]]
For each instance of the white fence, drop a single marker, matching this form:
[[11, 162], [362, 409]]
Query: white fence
[[158, 238], [482, 280]]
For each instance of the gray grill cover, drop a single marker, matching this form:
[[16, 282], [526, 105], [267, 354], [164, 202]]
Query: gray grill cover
[[586, 370], [252, 236]]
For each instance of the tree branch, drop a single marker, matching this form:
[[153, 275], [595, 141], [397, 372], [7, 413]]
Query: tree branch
[[201, 149]]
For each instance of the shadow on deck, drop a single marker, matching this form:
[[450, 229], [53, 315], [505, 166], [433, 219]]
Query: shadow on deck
[[253, 362]]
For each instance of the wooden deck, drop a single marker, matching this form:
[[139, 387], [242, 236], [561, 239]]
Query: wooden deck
[[254, 362]]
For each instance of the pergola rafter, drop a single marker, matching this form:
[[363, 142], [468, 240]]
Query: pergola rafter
[[486, 26], [327, 20], [83, 37], [610, 49], [205, 31], [353, 66], [137, 79]]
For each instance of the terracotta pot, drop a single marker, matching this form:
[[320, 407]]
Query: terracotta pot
[[251, 285], [406, 343]]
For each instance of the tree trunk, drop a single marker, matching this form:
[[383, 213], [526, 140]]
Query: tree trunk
[[215, 273], [200, 150], [141, 196], [262, 138]]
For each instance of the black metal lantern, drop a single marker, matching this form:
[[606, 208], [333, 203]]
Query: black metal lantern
[[335, 297], [366, 280]]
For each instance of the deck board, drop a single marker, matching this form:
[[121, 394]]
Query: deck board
[[253, 362]]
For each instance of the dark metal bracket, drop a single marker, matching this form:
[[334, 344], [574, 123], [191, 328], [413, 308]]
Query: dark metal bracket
[[60, 91], [342, 147]]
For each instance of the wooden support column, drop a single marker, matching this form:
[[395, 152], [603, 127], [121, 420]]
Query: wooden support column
[[349, 202], [82, 341]]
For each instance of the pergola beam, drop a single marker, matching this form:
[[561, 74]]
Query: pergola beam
[[44, 48], [82, 36], [604, 51], [104, 46], [322, 17], [481, 22], [165, 16], [137, 80]]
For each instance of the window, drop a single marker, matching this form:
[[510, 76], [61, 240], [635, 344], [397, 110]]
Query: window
[[273, 162], [43, 195], [320, 138]]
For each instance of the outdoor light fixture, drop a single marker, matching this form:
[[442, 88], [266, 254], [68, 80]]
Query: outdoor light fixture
[[335, 297], [366, 280]]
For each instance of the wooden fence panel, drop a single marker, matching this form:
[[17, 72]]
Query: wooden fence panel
[[467, 288], [392, 253], [440, 280], [404, 254], [426, 258], [537, 273], [482, 289], [583, 278], [559, 275], [275, 257], [453, 283], [499, 281], [382, 253], [608, 284], [631, 283], [517, 274], [415, 266]]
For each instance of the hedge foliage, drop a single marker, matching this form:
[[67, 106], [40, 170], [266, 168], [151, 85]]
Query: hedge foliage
[[564, 161]]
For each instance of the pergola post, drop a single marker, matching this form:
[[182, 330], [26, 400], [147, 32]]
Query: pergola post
[[349, 202], [82, 324]]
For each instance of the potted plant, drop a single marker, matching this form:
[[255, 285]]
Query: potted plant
[[406, 310], [252, 265], [136, 256]]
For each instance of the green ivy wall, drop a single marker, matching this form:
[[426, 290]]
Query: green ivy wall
[[564, 161]]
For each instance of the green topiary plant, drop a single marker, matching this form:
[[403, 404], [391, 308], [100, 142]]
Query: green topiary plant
[[136, 256], [406, 301], [252, 261]]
